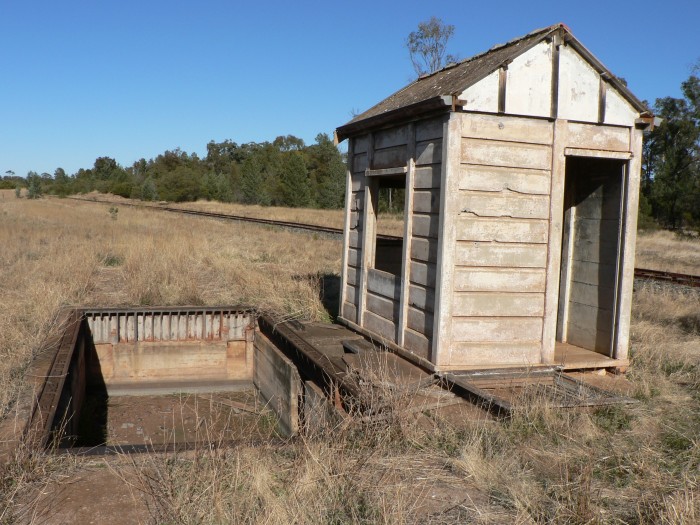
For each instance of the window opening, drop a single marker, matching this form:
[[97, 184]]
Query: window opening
[[390, 217]]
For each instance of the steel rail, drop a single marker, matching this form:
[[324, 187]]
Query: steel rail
[[668, 277], [315, 228]]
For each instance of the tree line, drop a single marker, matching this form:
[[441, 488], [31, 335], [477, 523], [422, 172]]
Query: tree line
[[287, 172], [670, 194], [284, 172]]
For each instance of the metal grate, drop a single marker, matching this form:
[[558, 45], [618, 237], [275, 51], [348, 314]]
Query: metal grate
[[509, 389]]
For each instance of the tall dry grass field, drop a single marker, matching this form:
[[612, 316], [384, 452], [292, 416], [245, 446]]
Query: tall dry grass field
[[667, 251], [624, 464], [390, 224]]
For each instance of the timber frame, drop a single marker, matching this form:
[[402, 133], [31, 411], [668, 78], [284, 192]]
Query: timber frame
[[506, 158]]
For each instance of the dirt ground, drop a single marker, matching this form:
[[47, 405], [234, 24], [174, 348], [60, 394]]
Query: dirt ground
[[174, 418]]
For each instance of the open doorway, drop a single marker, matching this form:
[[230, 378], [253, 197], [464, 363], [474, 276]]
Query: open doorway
[[591, 261]]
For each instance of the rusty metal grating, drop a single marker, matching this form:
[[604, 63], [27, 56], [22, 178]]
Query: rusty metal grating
[[128, 325], [506, 390]]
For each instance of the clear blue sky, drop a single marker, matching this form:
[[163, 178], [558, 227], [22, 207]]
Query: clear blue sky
[[130, 79]]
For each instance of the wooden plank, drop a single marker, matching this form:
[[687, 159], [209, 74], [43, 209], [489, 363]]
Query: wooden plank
[[360, 144], [427, 177], [500, 229], [601, 203], [506, 154], [379, 326], [388, 138], [593, 273], [421, 297], [417, 343], [429, 129], [449, 209], [600, 137], [589, 318], [320, 414], [352, 277], [400, 170], [383, 283], [529, 82], [420, 321], [426, 201], [578, 87], [502, 86], [596, 153], [490, 304], [505, 204], [354, 257], [494, 353], [358, 182], [502, 255], [369, 231], [593, 295], [618, 110], [389, 157], [359, 162], [595, 340], [493, 178], [556, 220], [426, 225], [350, 312], [627, 244], [499, 279], [495, 329], [428, 152], [383, 307], [351, 294], [507, 128], [424, 249], [354, 239], [423, 273], [279, 383], [356, 200], [407, 234]]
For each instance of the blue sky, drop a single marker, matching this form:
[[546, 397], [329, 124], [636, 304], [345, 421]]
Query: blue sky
[[130, 79]]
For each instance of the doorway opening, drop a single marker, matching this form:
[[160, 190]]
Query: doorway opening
[[591, 256]]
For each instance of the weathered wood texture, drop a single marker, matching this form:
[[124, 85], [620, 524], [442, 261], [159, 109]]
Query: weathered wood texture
[[382, 314], [127, 363], [595, 185], [552, 80], [279, 383], [320, 414], [502, 240]]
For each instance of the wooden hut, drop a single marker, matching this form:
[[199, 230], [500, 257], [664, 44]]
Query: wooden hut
[[518, 171]]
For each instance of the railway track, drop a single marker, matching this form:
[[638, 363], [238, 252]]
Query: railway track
[[682, 279], [639, 273], [315, 228]]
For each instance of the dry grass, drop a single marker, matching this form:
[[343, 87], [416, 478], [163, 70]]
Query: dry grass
[[625, 464], [389, 224], [666, 251]]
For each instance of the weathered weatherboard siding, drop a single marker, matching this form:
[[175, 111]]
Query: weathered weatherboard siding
[[398, 309], [501, 233]]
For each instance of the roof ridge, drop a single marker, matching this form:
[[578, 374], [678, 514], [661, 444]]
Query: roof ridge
[[493, 48]]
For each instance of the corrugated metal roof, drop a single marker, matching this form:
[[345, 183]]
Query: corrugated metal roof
[[455, 78]]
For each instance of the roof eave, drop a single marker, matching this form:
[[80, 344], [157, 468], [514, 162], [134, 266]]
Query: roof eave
[[419, 109]]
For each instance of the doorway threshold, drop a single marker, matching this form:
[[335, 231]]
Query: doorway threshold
[[570, 357]]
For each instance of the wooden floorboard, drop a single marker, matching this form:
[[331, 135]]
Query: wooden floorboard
[[574, 357]]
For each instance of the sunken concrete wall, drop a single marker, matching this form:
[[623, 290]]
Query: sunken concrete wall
[[176, 345]]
